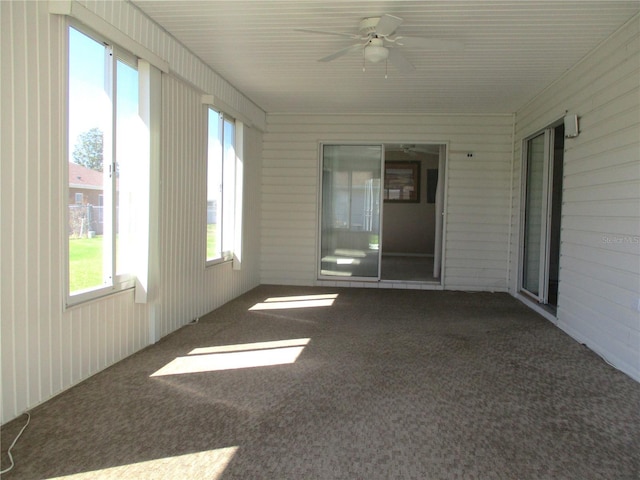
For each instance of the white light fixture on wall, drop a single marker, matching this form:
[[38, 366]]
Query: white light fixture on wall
[[571, 126], [375, 51]]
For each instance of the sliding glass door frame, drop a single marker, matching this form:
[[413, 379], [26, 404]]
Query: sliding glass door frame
[[543, 216], [322, 202]]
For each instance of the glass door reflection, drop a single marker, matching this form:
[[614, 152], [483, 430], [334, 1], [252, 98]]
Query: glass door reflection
[[350, 216]]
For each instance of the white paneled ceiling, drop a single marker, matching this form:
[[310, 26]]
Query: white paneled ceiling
[[513, 50]]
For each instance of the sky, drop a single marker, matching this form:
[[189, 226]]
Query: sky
[[89, 104]]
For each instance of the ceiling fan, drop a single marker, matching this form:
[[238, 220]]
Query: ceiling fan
[[377, 39]]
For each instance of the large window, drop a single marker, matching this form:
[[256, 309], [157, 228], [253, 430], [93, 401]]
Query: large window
[[104, 146], [221, 187]]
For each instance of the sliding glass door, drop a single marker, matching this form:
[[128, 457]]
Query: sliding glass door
[[534, 215], [542, 215], [350, 212]]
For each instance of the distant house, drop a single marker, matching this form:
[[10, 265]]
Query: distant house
[[85, 185], [85, 200]]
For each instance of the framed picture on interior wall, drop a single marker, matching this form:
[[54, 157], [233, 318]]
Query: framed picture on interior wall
[[402, 182], [432, 184]]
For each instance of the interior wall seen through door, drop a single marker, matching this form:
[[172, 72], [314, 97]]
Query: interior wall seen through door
[[409, 228]]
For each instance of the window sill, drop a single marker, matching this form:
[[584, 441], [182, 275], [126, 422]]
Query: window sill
[[79, 301], [220, 261]]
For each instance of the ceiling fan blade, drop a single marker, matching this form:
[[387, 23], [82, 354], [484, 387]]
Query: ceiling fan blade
[[325, 32], [340, 53], [429, 43], [399, 61], [387, 25]]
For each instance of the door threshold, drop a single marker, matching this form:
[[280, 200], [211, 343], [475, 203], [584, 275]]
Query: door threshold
[[397, 284], [398, 280], [544, 310], [410, 284]]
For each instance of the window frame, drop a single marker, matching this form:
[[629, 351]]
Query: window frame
[[224, 221], [119, 282]]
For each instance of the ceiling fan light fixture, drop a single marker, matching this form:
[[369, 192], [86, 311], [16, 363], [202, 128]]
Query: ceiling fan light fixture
[[375, 52]]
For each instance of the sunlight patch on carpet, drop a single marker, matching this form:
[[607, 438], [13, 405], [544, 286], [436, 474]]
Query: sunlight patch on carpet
[[231, 357], [301, 301], [241, 347], [210, 464]]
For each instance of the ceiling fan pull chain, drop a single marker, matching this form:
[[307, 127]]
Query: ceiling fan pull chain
[[364, 63], [386, 68]]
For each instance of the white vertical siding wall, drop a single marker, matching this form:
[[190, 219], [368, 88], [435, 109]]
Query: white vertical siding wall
[[43, 348], [478, 190], [600, 240], [188, 289], [183, 176]]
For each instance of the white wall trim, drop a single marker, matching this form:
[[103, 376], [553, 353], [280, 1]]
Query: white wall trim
[[607, 356], [224, 107], [101, 26]]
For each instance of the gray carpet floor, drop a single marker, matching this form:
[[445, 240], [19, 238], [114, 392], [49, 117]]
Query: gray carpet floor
[[387, 384], [407, 267]]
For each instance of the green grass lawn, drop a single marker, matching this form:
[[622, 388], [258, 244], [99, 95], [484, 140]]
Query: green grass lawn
[[85, 263], [85, 260]]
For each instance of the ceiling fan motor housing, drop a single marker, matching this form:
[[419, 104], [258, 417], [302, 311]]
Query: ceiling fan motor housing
[[374, 50], [368, 26]]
